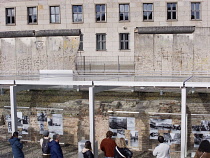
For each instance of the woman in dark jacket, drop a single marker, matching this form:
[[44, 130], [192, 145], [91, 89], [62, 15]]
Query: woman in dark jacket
[[203, 150], [87, 151], [16, 146], [121, 151]]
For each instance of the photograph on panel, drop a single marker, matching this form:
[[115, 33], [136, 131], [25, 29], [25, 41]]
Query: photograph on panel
[[19, 119], [25, 128], [175, 138], [41, 127], [120, 133], [176, 129], [134, 139], [55, 124], [42, 116], [153, 134], [117, 122], [160, 124], [205, 125], [197, 139], [196, 129], [25, 120], [131, 123]]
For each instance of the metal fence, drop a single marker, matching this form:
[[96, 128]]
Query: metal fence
[[105, 64]]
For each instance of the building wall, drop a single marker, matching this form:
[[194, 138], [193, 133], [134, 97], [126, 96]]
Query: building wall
[[112, 27]]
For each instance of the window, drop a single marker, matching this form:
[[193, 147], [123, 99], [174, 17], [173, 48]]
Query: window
[[101, 41], [124, 12], [171, 11], [32, 15], [124, 41], [147, 11], [55, 14], [100, 12], [81, 42], [10, 16], [77, 13], [195, 11]]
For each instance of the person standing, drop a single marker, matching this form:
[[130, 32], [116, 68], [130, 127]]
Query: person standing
[[87, 151], [108, 145], [203, 150], [17, 146], [162, 150], [44, 144], [121, 151], [55, 148]]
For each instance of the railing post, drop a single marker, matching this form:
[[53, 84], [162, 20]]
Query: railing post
[[84, 63]]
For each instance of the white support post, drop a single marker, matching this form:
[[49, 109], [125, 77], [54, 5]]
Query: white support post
[[92, 120], [183, 124], [13, 108]]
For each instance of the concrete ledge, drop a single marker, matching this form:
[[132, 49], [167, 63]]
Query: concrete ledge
[[40, 33], [165, 30]]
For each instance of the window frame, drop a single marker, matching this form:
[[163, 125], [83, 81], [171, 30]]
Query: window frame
[[123, 20], [100, 42], [6, 15], [172, 11], [101, 12], [55, 15], [123, 41], [194, 10], [152, 11], [28, 15], [76, 22]]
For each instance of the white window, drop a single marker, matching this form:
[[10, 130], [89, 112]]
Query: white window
[[101, 41], [54, 14], [124, 41], [171, 11], [100, 12], [77, 13], [195, 11], [32, 15], [147, 11], [10, 16], [124, 12]]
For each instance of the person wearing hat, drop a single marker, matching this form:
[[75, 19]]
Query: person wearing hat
[[44, 144]]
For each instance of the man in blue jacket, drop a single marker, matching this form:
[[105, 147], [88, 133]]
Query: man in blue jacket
[[55, 148], [16, 146]]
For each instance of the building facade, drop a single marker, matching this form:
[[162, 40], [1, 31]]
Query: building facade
[[107, 27]]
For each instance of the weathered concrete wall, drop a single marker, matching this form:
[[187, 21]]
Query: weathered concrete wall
[[169, 54], [28, 55]]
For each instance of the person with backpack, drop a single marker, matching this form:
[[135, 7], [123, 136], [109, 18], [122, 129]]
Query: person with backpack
[[17, 146], [44, 144]]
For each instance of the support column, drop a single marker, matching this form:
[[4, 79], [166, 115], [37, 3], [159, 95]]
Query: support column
[[13, 108], [183, 124], [92, 120]]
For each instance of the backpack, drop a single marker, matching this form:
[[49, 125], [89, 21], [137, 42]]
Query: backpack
[[45, 148]]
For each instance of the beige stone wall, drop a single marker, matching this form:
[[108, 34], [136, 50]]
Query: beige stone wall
[[169, 54], [28, 55], [112, 27]]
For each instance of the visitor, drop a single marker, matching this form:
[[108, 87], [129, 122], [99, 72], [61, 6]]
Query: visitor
[[162, 150], [107, 145], [87, 151], [44, 144], [17, 146], [55, 148], [203, 150], [121, 151]]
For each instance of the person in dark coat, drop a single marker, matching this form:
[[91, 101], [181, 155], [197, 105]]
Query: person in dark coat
[[17, 146], [121, 151], [55, 148], [87, 151]]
